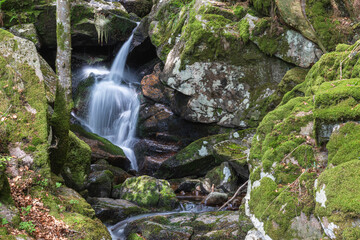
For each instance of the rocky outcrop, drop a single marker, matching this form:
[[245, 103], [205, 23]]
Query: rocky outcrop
[[299, 150]]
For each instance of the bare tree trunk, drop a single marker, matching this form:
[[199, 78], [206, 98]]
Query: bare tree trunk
[[61, 118]]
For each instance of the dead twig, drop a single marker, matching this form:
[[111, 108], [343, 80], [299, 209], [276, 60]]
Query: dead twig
[[236, 193]]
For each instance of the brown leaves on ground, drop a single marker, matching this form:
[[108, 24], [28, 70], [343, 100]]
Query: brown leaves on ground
[[32, 209]]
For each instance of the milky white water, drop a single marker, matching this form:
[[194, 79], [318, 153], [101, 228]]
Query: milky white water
[[114, 106]]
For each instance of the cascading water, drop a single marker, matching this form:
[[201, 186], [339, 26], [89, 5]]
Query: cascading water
[[114, 106]]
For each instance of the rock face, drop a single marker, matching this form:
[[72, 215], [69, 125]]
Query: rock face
[[148, 192], [209, 225], [293, 166]]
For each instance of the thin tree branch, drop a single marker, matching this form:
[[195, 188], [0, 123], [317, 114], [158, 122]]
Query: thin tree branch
[[236, 193]]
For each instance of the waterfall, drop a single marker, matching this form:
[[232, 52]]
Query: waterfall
[[114, 106]]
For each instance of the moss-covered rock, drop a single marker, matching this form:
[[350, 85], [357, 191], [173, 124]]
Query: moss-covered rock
[[211, 62], [100, 183], [150, 192], [77, 165], [66, 204], [338, 200], [102, 148], [204, 154], [5, 196], [22, 97], [286, 157], [223, 177]]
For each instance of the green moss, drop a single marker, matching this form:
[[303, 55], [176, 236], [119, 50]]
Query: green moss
[[19, 85], [60, 36], [5, 193], [244, 30], [342, 188], [60, 122], [239, 11], [262, 6], [328, 30], [344, 144], [148, 192], [107, 146], [77, 164], [135, 236]]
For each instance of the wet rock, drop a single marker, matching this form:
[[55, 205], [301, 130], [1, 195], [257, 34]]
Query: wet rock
[[209, 225], [102, 148], [114, 210], [148, 192], [119, 175], [216, 198], [99, 184], [223, 177], [188, 185]]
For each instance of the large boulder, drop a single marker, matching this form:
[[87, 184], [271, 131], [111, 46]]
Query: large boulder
[[148, 192], [218, 76], [23, 100], [299, 150], [100, 183]]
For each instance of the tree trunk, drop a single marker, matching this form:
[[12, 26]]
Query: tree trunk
[[61, 118]]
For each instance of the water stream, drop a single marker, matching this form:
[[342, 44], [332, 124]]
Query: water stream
[[117, 231], [114, 106]]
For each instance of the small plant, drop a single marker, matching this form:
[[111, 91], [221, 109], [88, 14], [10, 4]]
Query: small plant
[[26, 210], [27, 226], [58, 185], [43, 182], [73, 201], [4, 221], [4, 160]]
